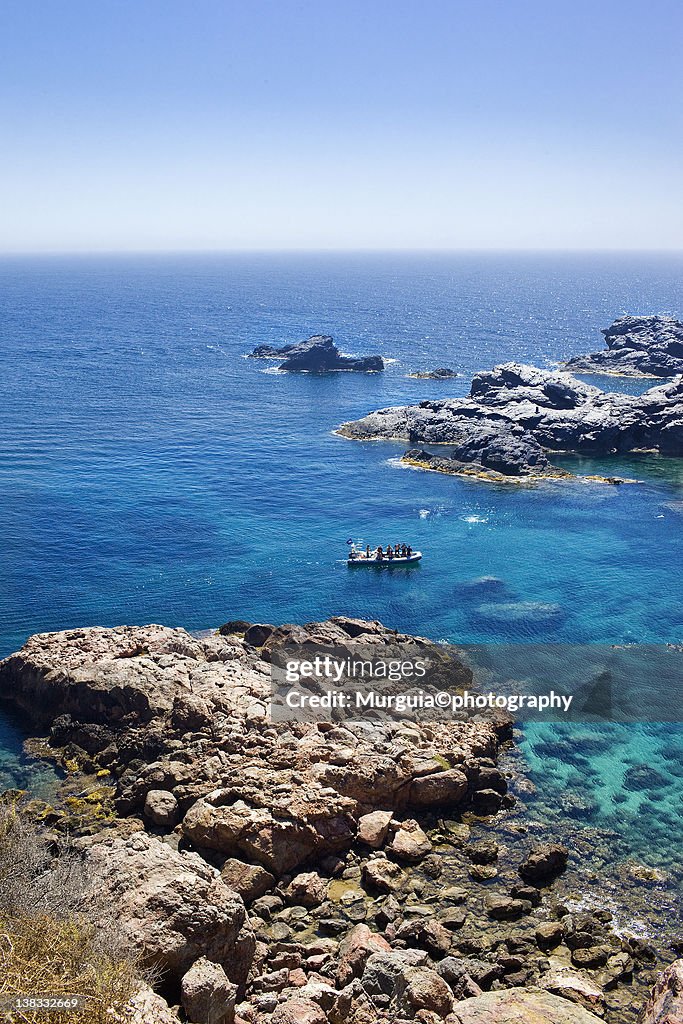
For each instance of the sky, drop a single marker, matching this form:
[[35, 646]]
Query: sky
[[363, 124]]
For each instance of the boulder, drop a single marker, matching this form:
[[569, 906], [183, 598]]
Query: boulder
[[520, 1006], [409, 842], [544, 863], [307, 889], [441, 373], [208, 997], [665, 1003], [161, 808], [172, 907], [439, 789], [251, 881], [575, 986], [419, 988], [373, 828], [354, 951], [382, 875]]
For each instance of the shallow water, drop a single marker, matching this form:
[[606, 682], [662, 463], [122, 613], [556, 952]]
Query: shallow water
[[148, 472]]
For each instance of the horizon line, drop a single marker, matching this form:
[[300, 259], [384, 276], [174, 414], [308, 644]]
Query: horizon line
[[294, 250]]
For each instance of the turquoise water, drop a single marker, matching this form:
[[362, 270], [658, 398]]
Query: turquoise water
[[148, 472]]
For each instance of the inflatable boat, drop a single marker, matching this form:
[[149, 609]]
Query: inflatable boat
[[360, 558]]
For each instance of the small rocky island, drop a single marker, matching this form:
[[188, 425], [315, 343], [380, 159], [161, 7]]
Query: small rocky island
[[312, 873], [637, 346], [441, 373], [317, 355], [515, 415]]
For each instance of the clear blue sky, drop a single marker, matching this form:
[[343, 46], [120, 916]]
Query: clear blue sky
[[218, 124]]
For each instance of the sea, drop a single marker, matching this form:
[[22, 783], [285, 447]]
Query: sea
[[149, 472]]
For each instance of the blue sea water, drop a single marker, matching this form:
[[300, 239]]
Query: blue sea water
[[149, 472]]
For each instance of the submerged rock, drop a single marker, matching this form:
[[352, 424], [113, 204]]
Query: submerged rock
[[637, 346], [318, 355]]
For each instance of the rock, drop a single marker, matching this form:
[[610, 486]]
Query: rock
[[173, 907], [257, 634], [637, 346], [234, 626], [549, 935], [665, 1003], [483, 852], [383, 969], [442, 788], [146, 1007], [161, 808], [382, 875], [544, 863], [429, 935], [642, 776], [251, 881], [373, 828], [531, 614], [486, 801], [505, 908], [307, 889], [516, 414], [409, 842], [207, 995], [455, 973], [298, 1011], [418, 988], [354, 951], [574, 985], [441, 373], [319, 355], [520, 1006]]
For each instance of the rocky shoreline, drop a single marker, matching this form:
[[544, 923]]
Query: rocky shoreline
[[297, 873], [516, 417], [637, 346]]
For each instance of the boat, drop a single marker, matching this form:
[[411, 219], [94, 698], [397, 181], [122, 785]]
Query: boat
[[361, 558]]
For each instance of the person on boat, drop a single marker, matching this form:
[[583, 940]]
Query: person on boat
[[409, 551], [380, 554], [353, 553], [403, 550], [390, 552], [367, 551]]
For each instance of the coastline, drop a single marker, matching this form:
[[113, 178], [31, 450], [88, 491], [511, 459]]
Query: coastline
[[472, 851]]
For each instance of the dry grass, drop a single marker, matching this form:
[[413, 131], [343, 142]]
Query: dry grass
[[50, 941]]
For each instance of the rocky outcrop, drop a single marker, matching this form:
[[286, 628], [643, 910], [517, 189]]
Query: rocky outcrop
[[173, 907], [665, 1005], [288, 872], [515, 414], [318, 355], [517, 1005], [637, 346], [441, 373]]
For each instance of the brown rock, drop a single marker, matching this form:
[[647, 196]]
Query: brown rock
[[520, 1006], [409, 842], [354, 950], [207, 995], [307, 889], [373, 828], [665, 1004], [440, 789], [161, 808], [251, 881]]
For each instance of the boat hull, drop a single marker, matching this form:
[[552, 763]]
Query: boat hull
[[383, 563]]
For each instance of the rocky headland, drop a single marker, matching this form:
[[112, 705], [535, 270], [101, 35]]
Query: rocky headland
[[317, 355], [516, 415], [637, 346], [301, 873]]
